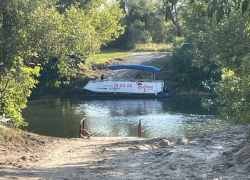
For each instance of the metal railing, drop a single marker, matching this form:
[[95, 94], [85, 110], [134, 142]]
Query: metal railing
[[82, 132], [139, 128]]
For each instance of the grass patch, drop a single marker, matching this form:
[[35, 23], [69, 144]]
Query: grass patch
[[179, 40], [153, 47], [11, 135], [162, 63], [105, 56], [99, 61]]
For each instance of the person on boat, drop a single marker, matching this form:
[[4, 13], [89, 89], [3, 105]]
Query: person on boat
[[102, 77], [139, 84]]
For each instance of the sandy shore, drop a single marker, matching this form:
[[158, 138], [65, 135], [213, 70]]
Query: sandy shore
[[220, 155]]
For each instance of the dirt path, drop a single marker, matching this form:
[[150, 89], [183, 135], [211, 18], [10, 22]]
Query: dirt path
[[143, 58], [214, 156]]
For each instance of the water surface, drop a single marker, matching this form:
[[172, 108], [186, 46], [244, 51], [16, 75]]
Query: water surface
[[176, 116]]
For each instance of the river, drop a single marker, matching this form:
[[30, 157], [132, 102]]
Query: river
[[59, 116]]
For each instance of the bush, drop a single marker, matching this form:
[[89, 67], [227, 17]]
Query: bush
[[189, 76]]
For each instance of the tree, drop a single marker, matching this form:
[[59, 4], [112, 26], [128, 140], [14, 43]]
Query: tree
[[144, 24], [170, 8], [222, 44], [210, 9], [229, 53], [34, 32]]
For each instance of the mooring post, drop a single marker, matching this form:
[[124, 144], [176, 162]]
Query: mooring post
[[83, 123], [81, 126], [139, 128], [79, 131]]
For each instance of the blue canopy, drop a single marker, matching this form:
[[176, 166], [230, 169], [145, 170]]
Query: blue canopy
[[136, 67]]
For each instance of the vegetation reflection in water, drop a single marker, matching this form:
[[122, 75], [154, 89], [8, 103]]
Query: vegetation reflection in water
[[177, 116]]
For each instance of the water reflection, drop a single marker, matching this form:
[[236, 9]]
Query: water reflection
[[177, 116]]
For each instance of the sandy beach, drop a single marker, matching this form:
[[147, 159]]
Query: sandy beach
[[217, 156]]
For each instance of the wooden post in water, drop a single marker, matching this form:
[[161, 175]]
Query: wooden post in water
[[139, 128]]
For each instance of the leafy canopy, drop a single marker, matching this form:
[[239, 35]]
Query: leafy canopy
[[33, 32], [223, 47]]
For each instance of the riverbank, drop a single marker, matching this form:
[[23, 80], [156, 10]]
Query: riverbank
[[219, 155]]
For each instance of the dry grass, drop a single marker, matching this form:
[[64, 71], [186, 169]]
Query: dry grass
[[105, 56], [11, 135], [153, 47]]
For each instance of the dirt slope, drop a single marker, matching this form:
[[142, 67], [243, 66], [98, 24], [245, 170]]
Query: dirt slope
[[142, 58], [218, 156]]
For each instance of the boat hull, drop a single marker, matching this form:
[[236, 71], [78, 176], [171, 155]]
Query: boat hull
[[90, 94], [134, 87]]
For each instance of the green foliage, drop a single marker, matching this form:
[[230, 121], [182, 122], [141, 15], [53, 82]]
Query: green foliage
[[211, 9], [188, 76], [179, 40], [138, 34], [172, 11], [50, 80], [234, 94], [144, 24], [15, 86], [222, 47], [83, 33], [219, 9], [231, 55], [35, 32]]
